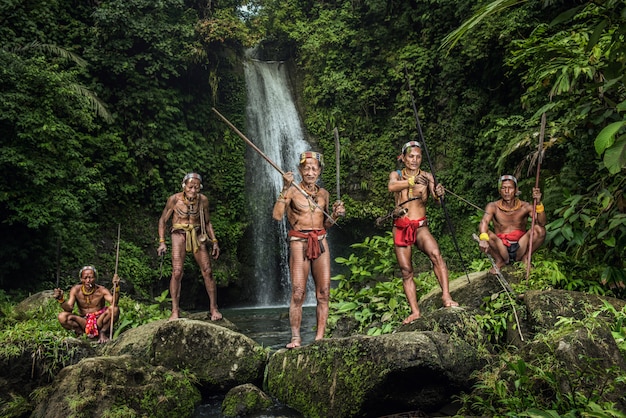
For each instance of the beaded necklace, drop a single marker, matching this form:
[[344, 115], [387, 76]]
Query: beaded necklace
[[313, 195], [87, 294], [406, 175], [516, 205]]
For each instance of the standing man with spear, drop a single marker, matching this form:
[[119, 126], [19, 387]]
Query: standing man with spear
[[306, 206], [308, 244]]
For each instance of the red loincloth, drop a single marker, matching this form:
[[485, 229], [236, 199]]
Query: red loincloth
[[312, 238], [514, 236], [406, 230], [91, 327]]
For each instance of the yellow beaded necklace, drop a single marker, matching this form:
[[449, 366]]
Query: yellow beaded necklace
[[87, 294], [516, 205], [411, 180]]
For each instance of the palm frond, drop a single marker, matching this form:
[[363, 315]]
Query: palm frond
[[485, 11], [95, 103]]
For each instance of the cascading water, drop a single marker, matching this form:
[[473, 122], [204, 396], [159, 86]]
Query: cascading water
[[274, 125]]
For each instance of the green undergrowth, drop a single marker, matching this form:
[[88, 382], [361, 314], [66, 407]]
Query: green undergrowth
[[543, 386]]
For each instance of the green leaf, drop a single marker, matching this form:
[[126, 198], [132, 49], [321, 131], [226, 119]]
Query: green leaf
[[346, 307], [615, 156], [606, 136]]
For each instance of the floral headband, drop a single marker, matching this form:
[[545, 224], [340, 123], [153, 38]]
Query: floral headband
[[311, 154], [410, 144], [190, 176]]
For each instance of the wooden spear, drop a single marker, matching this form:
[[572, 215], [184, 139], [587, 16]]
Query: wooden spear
[[117, 259], [337, 162], [272, 163], [542, 132]]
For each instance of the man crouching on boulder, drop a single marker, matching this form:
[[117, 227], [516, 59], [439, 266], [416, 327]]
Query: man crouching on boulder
[[94, 318]]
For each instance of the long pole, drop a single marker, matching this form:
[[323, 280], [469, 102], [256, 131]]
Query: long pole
[[542, 132], [337, 158], [58, 260], [117, 259], [505, 285], [272, 163], [432, 170]]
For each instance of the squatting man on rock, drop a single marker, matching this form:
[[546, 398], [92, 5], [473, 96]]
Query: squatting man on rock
[[509, 240], [94, 318]]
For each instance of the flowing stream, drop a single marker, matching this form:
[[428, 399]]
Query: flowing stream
[[273, 125]]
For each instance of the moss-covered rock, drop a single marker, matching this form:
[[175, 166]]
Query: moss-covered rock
[[245, 400], [121, 386], [372, 376], [218, 357]]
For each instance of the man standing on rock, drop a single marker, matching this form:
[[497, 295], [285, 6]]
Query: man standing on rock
[[191, 232], [411, 187], [308, 246], [94, 319]]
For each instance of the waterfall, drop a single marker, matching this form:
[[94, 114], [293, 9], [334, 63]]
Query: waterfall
[[274, 125]]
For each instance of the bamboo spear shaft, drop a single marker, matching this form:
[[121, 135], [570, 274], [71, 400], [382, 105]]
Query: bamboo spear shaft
[[117, 259], [542, 132], [272, 163]]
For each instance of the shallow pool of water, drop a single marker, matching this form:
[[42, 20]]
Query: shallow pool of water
[[270, 328]]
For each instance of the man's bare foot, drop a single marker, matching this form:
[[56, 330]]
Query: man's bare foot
[[295, 342], [448, 303], [216, 315], [103, 338], [411, 318], [175, 315]]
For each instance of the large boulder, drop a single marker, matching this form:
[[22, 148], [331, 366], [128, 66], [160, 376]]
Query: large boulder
[[120, 385], [218, 357], [546, 307], [372, 376], [468, 290]]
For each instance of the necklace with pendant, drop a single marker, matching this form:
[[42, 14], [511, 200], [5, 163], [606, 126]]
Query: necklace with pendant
[[87, 294], [406, 175], [312, 195]]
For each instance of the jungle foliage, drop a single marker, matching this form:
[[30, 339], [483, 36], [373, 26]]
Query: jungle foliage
[[105, 105]]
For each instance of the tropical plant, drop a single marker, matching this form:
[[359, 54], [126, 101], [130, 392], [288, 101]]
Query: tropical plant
[[368, 292]]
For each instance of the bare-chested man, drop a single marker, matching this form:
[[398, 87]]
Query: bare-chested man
[[94, 318], [509, 240], [308, 246], [188, 210], [411, 188]]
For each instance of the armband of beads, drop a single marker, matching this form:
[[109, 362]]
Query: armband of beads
[[61, 300], [161, 239], [484, 236], [214, 241], [539, 208]]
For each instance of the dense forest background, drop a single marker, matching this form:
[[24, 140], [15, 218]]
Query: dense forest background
[[105, 105]]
